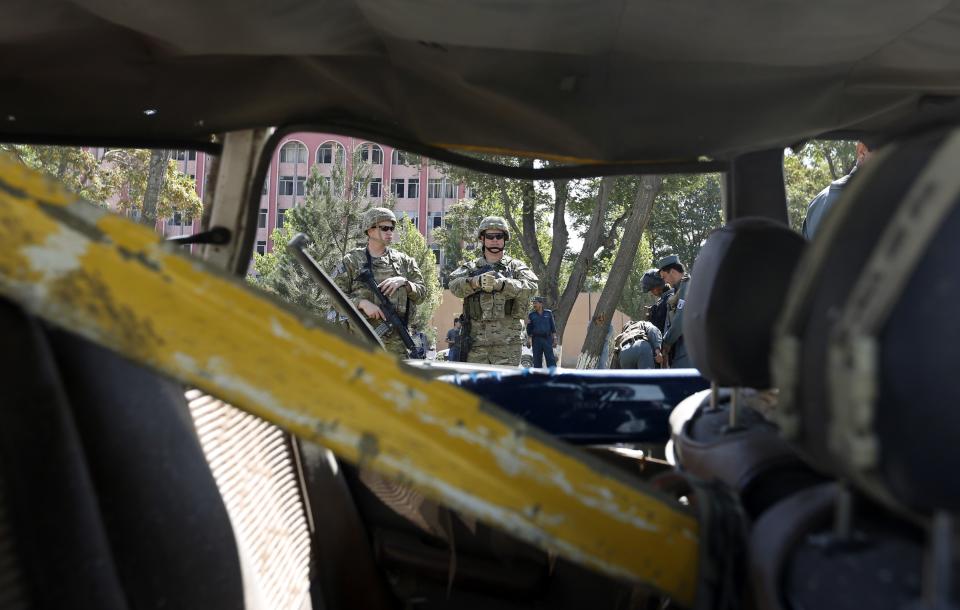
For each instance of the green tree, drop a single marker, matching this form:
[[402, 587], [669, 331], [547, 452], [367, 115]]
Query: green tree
[[810, 169], [75, 168], [645, 190], [634, 301], [688, 208], [121, 176], [411, 242]]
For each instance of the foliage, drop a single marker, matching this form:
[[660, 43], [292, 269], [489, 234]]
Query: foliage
[[75, 168], [812, 168], [120, 177], [688, 208], [634, 301], [411, 242], [458, 236]]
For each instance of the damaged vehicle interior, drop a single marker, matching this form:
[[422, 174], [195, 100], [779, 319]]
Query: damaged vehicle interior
[[172, 436]]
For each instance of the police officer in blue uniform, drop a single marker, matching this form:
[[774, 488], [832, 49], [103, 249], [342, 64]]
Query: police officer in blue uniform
[[657, 313], [542, 332], [827, 198], [673, 272]]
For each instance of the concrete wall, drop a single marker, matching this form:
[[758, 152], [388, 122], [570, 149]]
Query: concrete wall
[[573, 336]]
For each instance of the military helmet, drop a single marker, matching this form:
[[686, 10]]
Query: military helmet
[[373, 216], [493, 222], [650, 280]]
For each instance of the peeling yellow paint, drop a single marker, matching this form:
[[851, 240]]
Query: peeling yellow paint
[[113, 282]]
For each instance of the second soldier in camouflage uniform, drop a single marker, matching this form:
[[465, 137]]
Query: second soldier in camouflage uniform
[[495, 301], [396, 273]]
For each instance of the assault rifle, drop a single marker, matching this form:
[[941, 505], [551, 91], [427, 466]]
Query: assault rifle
[[464, 341], [298, 248], [393, 319]]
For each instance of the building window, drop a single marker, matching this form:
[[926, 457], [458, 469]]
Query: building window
[[179, 219], [413, 188], [375, 187], [371, 153], [262, 219], [396, 187], [413, 219], [285, 185], [261, 247], [404, 158], [185, 155], [436, 254], [471, 192], [266, 185], [329, 152], [449, 189], [280, 214], [293, 152], [436, 220], [434, 186]]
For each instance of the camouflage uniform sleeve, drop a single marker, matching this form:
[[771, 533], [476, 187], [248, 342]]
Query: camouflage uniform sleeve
[[458, 283], [418, 289], [343, 275], [523, 285], [675, 331]]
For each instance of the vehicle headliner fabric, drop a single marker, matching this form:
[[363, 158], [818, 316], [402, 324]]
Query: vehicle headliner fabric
[[593, 79]]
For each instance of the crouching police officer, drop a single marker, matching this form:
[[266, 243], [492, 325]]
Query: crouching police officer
[[395, 273], [673, 273], [495, 289], [637, 346]]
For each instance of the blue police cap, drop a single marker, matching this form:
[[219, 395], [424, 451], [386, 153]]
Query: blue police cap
[[666, 261]]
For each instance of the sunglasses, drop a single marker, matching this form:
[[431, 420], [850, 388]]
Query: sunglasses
[[386, 228], [494, 235]]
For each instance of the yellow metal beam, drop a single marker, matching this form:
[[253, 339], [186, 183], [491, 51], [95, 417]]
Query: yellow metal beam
[[113, 282]]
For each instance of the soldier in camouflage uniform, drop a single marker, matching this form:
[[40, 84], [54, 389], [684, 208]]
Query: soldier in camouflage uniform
[[396, 273], [495, 301]]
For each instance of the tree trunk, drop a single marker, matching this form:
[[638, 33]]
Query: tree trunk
[[591, 243], [156, 174], [636, 223]]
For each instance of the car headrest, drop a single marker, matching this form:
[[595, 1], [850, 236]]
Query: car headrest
[[866, 353], [737, 288]]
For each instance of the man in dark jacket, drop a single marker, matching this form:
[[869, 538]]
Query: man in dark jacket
[[657, 313], [673, 272], [827, 198]]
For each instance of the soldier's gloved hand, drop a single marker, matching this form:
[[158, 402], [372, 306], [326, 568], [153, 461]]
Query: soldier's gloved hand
[[392, 284], [490, 282]]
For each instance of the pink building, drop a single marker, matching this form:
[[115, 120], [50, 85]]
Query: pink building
[[423, 193]]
